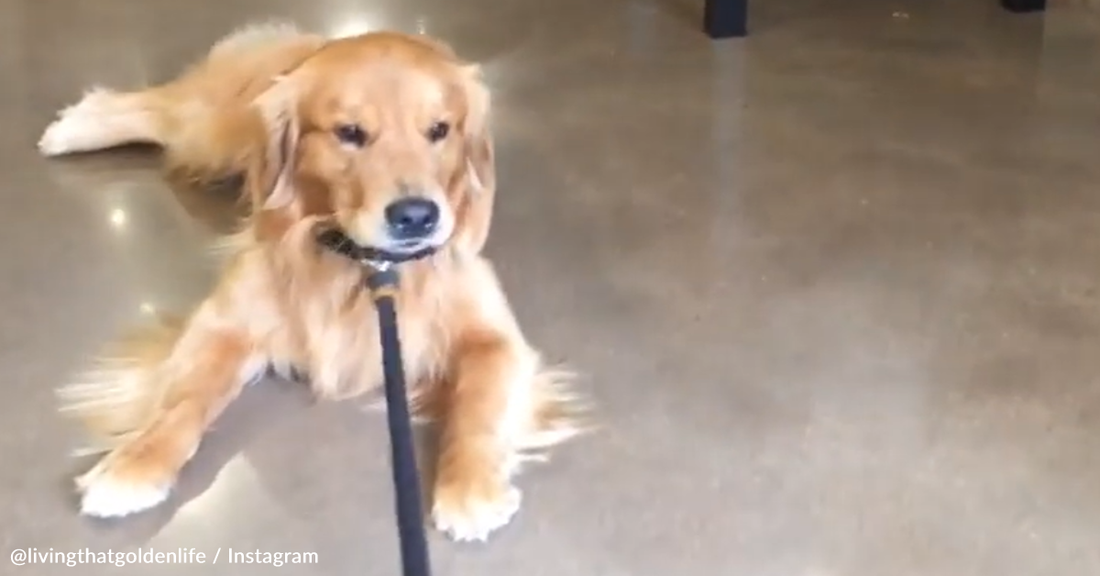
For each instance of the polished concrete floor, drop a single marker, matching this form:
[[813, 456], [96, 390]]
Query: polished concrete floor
[[834, 289]]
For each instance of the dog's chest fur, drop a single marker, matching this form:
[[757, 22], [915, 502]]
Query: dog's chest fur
[[331, 327]]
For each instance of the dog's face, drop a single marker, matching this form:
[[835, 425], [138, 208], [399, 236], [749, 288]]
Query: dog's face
[[384, 135]]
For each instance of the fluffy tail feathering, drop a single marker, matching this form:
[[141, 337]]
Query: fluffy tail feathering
[[120, 395], [557, 413]]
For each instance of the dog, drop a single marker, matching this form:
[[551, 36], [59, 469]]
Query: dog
[[386, 137]]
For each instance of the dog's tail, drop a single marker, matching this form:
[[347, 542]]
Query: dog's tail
[[559, 413], [119, 396], [553, 412]]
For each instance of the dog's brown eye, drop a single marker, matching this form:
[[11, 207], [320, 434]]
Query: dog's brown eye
[[351, 134], [438, 131]]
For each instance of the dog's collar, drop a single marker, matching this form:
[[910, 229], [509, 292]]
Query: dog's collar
[[335, 240]]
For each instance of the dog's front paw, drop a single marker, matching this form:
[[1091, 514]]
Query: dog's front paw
[[470, 508], [124, 482]]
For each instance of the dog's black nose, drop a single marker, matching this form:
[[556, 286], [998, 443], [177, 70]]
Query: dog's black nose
[[411, 218]]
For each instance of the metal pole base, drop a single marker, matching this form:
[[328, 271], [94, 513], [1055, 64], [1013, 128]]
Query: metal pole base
[[1021, 6], [726, 18]]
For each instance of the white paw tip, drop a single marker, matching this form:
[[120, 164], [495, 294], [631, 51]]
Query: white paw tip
[[65, 133], [52, 142], [107, 498], [476, 520]]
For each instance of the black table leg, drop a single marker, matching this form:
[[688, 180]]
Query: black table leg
[[727, 18], [1024, 5]]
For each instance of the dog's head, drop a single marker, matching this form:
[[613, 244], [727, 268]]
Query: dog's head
[[384, 135]]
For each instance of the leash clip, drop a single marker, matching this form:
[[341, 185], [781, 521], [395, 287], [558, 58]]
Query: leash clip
[[381, 279]]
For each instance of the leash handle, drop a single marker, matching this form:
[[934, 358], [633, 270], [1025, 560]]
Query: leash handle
[[382, 283]]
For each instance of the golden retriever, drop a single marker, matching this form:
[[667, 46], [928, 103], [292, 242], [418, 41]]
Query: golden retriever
[[385, 136]]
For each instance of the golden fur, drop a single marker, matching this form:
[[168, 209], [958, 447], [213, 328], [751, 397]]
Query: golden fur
[[264, 102]]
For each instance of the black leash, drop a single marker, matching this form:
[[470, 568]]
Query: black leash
[[382, 281]]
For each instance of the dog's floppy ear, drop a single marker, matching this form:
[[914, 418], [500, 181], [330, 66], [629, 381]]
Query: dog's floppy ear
[[476, 209], [271, 166]]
